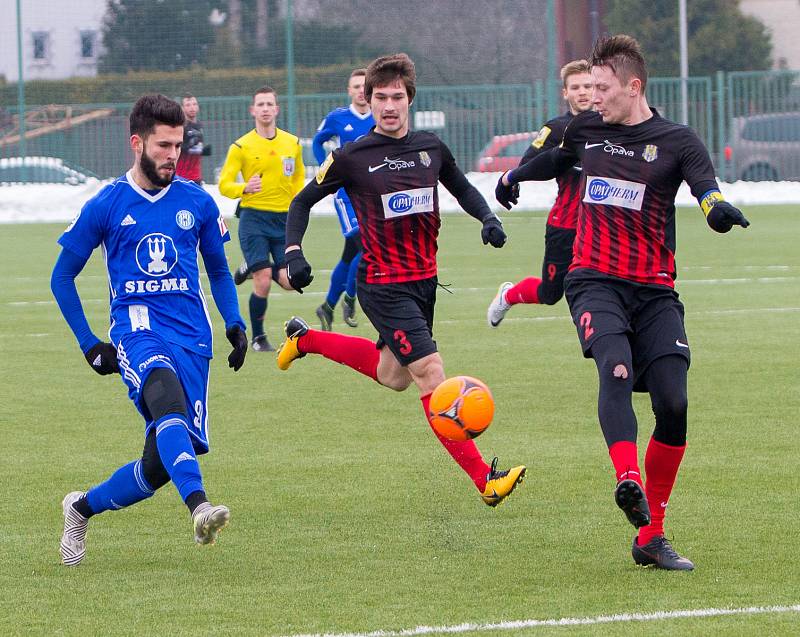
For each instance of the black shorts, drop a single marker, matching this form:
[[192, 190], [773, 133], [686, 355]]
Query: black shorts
[[557, 258], [650, 315], [403, 315]]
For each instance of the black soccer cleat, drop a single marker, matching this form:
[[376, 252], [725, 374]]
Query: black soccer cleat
[[659, 553], [630, 497], [242, 274], [261, 344], [349, 310], [325, 316]]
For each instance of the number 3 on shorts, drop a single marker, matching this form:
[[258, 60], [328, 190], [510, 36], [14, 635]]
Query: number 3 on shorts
[[405, 346]]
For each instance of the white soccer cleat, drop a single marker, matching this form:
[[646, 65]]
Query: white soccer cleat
[[73, 541], [209, 521], [499, 306]]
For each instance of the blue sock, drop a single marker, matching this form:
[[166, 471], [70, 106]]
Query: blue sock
[[177, 454], [338, 279], [352, 271], [125, 487]]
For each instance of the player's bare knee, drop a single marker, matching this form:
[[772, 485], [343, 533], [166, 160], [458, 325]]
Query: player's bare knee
[[427, 372], [162, 394]]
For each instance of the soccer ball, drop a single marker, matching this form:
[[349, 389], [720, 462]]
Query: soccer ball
[[461, 408]]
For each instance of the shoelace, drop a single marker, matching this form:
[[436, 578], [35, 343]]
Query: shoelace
[[664, 546], [493, 472]]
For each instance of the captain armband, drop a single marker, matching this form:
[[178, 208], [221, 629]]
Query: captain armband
[[708, 200]]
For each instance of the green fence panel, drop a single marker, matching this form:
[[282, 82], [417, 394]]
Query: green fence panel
[[750, 122]]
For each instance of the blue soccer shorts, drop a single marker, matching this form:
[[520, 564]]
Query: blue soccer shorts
[[141, 352], [347, 216], [262, 237]]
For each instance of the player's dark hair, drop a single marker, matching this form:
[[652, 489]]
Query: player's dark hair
[[623, 55], [265, 89], [187, 96], [357, 72], [575, 67], [389, 68], [151, 110]]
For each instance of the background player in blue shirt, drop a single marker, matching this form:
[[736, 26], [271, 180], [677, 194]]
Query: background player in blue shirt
[[347, 124], [151, 225]]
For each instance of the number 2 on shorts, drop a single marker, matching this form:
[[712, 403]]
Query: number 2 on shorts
[[586, 324]]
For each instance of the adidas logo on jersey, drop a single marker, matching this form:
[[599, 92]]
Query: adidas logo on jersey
[[128, 221], [348, 128], [182, 457]]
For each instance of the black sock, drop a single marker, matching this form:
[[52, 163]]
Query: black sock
[[82, 507], [258, 308], [195, 499]]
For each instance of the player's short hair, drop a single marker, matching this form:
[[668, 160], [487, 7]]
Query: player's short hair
[[150, 110], [187, 96], [265, 89], [623, 55], [389, 68], [574, 68], [358, 72]]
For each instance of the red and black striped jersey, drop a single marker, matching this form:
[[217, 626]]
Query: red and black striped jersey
[[630, 176], [392, 184], [564, 213]]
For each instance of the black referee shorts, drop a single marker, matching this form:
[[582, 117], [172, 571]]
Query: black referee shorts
[[650, 315], [403, 315]]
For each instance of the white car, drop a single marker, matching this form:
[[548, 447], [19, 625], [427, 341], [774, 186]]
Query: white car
[[42, 170]]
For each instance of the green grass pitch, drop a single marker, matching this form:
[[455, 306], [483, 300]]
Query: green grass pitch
[[348, 516]]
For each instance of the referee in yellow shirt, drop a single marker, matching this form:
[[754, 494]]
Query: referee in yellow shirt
[[271, 162]]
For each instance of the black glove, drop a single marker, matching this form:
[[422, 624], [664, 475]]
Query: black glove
[[238, 339], [492, 232], [723, 216], [506, 196], [298, 270], [103, 358]]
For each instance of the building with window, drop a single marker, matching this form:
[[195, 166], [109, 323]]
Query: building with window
[[59, 39]]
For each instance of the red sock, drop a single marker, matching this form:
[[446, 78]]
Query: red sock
[[625, 457], [526, 291], [354, 351], [465, 453], [661, 463]]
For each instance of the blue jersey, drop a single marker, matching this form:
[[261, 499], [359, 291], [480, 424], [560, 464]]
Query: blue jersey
[[346, 123], [150, 244]]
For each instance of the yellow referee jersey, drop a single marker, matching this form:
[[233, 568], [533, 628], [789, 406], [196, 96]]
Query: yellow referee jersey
[[279, 161]]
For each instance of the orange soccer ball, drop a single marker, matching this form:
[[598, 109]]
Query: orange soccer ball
[[461, 408]]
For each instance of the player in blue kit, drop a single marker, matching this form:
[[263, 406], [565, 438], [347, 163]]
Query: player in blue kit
[[151, 226], [347, 124]]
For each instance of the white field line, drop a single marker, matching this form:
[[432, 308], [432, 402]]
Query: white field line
[[531, 319], [567, 621], [278, 294]]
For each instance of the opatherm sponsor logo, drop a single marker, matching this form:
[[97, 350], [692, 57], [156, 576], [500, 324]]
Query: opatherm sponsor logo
[[614, 192], [407, 202]]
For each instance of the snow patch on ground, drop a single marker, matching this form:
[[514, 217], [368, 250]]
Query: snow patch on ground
[[58, 202]]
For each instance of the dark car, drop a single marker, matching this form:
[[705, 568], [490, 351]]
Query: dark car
[[503, 152]]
